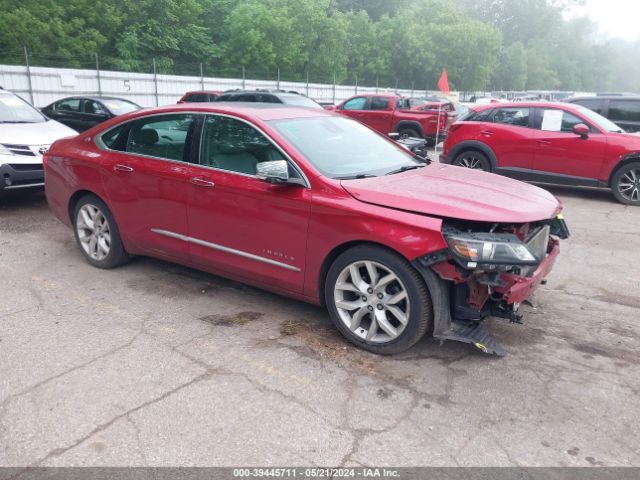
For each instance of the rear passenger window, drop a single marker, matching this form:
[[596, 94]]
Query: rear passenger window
[[110, 138], [160, 136], [379, 103], [512, 116], [235, 146], [624, 110], [481, 116]]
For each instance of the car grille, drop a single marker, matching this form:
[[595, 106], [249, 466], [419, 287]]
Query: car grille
[[19, 149]]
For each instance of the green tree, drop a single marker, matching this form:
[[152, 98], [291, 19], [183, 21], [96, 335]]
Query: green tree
[[511, 71]]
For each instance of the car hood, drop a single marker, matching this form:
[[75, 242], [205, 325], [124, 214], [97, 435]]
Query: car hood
[[42, 133], [457, 192]]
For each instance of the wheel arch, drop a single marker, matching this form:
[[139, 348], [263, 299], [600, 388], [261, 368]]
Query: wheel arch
[[75, 198], [628, 158], [409, 124], [471, 145], [337, 251]]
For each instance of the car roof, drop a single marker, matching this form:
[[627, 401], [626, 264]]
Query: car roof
[[605, 97], [487, 106], [215, 92], [261, 111], [94, 97]]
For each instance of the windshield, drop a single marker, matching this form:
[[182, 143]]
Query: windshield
[[299, 100], [13, 109], [120, 107], [343, 148], [599, 120]]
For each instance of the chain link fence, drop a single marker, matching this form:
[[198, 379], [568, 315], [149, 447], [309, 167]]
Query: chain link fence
[[43, 79]]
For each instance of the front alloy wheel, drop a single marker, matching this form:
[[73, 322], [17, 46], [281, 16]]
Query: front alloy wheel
[[372, 301], [625, 184], [377, 300]]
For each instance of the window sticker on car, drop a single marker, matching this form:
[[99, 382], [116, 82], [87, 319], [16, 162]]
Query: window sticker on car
[[11, 101], [552, 120]]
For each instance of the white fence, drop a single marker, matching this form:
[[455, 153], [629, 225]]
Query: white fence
[[42, 85]]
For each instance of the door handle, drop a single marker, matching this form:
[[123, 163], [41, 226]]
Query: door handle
[[488, 133], [544, 142], [118, 167], [202, 182]]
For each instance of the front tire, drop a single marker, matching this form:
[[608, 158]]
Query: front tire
[[474, 160], [377, 300], [97, 234], [625, 184]]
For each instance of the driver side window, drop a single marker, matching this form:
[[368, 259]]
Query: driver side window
[[555, 120], [235, 146]]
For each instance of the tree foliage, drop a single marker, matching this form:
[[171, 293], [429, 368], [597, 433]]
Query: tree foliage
[[500, 44]]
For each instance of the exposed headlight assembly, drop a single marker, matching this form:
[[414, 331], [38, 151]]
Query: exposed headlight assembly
[[473, 249]]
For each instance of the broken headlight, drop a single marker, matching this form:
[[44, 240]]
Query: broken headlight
[[473, 249]]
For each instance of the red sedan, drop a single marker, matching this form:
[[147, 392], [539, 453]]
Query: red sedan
[[314, 206]]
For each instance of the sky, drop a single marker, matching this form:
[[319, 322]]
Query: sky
[[616, 18]]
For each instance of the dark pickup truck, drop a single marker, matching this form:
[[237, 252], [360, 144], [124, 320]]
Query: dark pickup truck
[[388, 113]]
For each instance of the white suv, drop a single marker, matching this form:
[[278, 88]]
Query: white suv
[[25, 134]]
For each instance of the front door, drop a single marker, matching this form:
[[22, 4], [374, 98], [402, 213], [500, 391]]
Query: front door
[[561, 156], [146, 177], [239, 224]]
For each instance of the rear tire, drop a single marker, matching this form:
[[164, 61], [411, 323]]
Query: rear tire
[[625, 184], [97, 234], [377, 300], [473, 159], [409, 132]]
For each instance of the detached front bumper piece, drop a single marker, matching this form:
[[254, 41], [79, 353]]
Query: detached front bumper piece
[[19, 176]]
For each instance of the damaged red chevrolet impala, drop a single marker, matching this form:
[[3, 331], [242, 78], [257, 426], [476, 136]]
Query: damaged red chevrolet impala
[[314, 206]]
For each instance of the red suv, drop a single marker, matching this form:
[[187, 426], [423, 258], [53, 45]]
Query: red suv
[[314, 206], [556, 143]]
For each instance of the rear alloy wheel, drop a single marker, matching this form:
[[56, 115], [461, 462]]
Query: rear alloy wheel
[[625, 184], [97, 233], [377, 300], [474, 160]]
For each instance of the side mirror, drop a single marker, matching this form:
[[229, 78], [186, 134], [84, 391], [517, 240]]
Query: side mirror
[[582, 130], [276, 172]]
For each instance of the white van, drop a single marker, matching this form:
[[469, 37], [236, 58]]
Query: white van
[[25, 134]]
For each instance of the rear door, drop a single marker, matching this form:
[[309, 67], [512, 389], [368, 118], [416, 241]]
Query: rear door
[[509, 133], [145, 175], [380, 114], [561, 156], [239, 224]]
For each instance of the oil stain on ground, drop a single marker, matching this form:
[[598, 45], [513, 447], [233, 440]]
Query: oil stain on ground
[[235, 319]]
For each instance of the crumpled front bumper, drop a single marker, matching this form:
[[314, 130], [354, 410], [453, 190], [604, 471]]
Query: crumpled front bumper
[[518, 288]]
